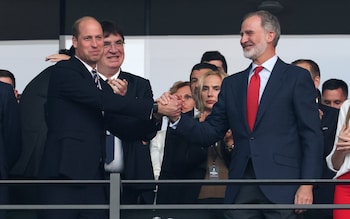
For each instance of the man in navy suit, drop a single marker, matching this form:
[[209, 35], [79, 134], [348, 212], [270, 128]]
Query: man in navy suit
[[134, 133], [323, 193], [285, 141], [75, 144], [10, 141]]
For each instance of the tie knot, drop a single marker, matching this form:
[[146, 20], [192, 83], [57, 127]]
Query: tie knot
[[258, 69]]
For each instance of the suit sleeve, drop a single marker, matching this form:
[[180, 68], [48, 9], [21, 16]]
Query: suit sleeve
[[75, 83], [309, 126], [130, 128], [212, 129], [11, 126]]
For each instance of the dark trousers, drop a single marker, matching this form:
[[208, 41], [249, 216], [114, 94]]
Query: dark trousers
[[73, 194], [3, 200], [251, 194]]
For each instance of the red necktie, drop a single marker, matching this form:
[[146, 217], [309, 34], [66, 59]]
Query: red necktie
[[253, 97]]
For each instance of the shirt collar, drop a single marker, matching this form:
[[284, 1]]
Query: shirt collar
[[89, 68], [268, 65], [115, 76]]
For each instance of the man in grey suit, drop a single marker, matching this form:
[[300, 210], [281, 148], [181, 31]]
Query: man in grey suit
[[285, 139]]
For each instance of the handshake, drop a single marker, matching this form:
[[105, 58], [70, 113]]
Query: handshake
[[170, 106]]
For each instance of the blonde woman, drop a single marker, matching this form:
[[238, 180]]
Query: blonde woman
[[218, 154]]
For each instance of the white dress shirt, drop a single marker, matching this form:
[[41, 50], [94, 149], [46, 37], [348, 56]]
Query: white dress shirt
[[157, 152], [117, 164]]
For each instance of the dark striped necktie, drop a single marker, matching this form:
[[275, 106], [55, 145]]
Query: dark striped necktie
[[96, 78]]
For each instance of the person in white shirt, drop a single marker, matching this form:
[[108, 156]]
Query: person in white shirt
[[339, 161]]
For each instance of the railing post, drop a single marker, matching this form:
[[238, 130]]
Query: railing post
[[114, 196]]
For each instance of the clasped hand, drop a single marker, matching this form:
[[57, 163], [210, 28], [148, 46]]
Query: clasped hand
[[170, 106], [343, 143], [119, 86]]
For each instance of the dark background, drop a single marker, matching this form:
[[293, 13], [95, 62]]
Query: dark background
[[47, 19]]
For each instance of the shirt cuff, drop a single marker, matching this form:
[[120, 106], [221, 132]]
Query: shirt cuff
[[173, 125]]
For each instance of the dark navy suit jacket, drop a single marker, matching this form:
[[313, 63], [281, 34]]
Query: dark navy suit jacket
[[286, 141], [324, 193], [33, 125], [75, 144], [132, 131], [10, 132]]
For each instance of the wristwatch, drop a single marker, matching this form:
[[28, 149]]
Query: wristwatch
[[155, 107]]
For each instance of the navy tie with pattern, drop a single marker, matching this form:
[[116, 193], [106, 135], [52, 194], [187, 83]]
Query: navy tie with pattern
[[96, 78], [109, 147]]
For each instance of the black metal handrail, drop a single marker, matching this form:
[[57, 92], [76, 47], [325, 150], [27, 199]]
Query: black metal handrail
[[115, 184]]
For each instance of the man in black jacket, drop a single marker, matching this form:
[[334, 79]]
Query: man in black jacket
[[323, 194]]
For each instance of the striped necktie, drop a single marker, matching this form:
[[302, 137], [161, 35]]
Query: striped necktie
[[96, 78]]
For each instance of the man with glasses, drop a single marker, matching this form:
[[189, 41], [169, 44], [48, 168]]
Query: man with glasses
[[135, 134]]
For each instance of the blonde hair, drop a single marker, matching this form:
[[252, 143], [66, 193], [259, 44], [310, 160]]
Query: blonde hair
[[220, 74]]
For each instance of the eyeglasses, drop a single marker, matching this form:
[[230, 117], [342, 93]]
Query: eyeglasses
[[119, 43]]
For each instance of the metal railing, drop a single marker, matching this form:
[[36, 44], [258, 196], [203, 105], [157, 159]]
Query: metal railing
[[115, 206]]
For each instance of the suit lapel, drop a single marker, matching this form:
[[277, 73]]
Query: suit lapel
[[243, 88], [272, 87]]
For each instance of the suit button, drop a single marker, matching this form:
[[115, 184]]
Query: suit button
[[252, 138]]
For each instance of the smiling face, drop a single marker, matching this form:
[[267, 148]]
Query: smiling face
[[257, 43], [113, 51], [88, 43], [210, 91], [253, 38]]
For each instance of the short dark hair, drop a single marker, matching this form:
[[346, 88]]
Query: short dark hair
[[214, 55], [315, 70], [203, 65], [333, 84], [110, 27], [7, 74]]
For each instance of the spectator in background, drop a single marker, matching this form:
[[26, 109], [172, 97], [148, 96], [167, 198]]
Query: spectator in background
[[33, 123], [334, 92], [34, 130], [10, 141], [183, 90], [8, 77], [181, 159], [196, 72], [323, 193], [215, 58], [218, 158], [339, 161]]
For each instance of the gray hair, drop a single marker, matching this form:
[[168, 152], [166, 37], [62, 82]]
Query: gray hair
[[269, 23]]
